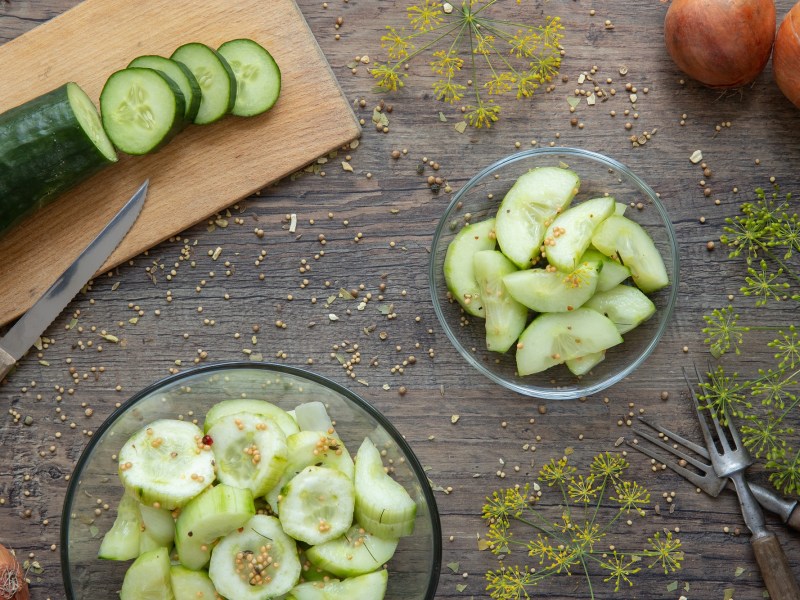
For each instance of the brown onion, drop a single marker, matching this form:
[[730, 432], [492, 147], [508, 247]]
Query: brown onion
[[786, 56], [720, 43], [12, 580]]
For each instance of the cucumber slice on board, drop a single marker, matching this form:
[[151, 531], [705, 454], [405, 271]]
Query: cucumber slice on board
[[553, 338], [250, 451], [307, 448], [148, 578], [166, 464], [212, 515], [570, 233], [529, 207], [543, 290], [215, 76], [255, 562], [354, 553], [142, 110], [383, 506], [48, 145], [258, 77], [625, 305], [257, 407], [459, 270], [505, 317], [316, 506], [371, 586], [191, 585], [121, 542], [627, 241], [180, 74]]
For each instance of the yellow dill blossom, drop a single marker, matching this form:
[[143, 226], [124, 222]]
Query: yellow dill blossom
[[575, 541], [471, 47], [620, 569]]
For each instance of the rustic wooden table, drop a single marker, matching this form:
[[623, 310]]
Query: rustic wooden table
[[383, 218]]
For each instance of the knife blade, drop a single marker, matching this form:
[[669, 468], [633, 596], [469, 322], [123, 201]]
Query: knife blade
[[35, 321]]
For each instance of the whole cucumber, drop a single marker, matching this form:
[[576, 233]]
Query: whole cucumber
[[48, 145]]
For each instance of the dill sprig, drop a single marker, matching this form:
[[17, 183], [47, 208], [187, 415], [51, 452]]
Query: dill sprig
[[766, 235], [571, 544], [470, 49]]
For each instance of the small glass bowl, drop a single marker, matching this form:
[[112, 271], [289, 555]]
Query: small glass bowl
[[413, 570], [480, 198]]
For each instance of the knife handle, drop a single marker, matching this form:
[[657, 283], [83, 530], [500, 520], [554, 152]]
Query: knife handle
[[774, 566], [7, 363]]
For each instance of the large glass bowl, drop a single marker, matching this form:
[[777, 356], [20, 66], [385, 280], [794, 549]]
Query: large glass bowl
[[480, 198], [414, 569]]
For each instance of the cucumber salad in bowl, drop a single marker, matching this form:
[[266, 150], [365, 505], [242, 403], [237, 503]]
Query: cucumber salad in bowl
[[539, 287], [247, 499]]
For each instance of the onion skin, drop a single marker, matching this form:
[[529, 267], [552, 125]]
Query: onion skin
[[786, 56], [720, 43], [12, 580]]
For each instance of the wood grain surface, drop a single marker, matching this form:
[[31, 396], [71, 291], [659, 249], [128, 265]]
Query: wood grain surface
[[206, 168], [185, 306]]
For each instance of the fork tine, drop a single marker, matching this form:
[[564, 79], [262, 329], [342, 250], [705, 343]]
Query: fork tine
[[700, 415], [705, 467], [697, 448], [712, 486]]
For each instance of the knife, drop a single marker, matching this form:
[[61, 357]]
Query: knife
[[35, 321]]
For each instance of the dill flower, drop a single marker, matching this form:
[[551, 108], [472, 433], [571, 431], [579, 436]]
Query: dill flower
[[471, 48]]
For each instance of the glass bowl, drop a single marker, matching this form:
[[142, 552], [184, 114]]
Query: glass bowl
[[480, 198], [414, 569]]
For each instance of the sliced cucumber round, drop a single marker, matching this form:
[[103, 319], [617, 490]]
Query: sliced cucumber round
[[257, 407], [180, 74], [258, 78], [383, 506], [371, 586], [313, 416], [215, 76], [625, 305], [628, 242], [459, 270], [158, 525], [148, 578], [121, 542], [191, 585], [529, 207], [166, 464], [570, 233], [142, 109], [316, 506], [544, 290], [553, 338], [212, 515], [250, 450], [505, 317], [355, 553], [311, 448], [255, 562]]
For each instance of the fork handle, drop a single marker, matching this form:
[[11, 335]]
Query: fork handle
[[774, 566]]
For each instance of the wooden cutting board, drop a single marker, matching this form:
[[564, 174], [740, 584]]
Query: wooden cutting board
[[202, 171]]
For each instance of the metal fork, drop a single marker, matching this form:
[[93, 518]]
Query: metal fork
[[731, 460], [705, 478]]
